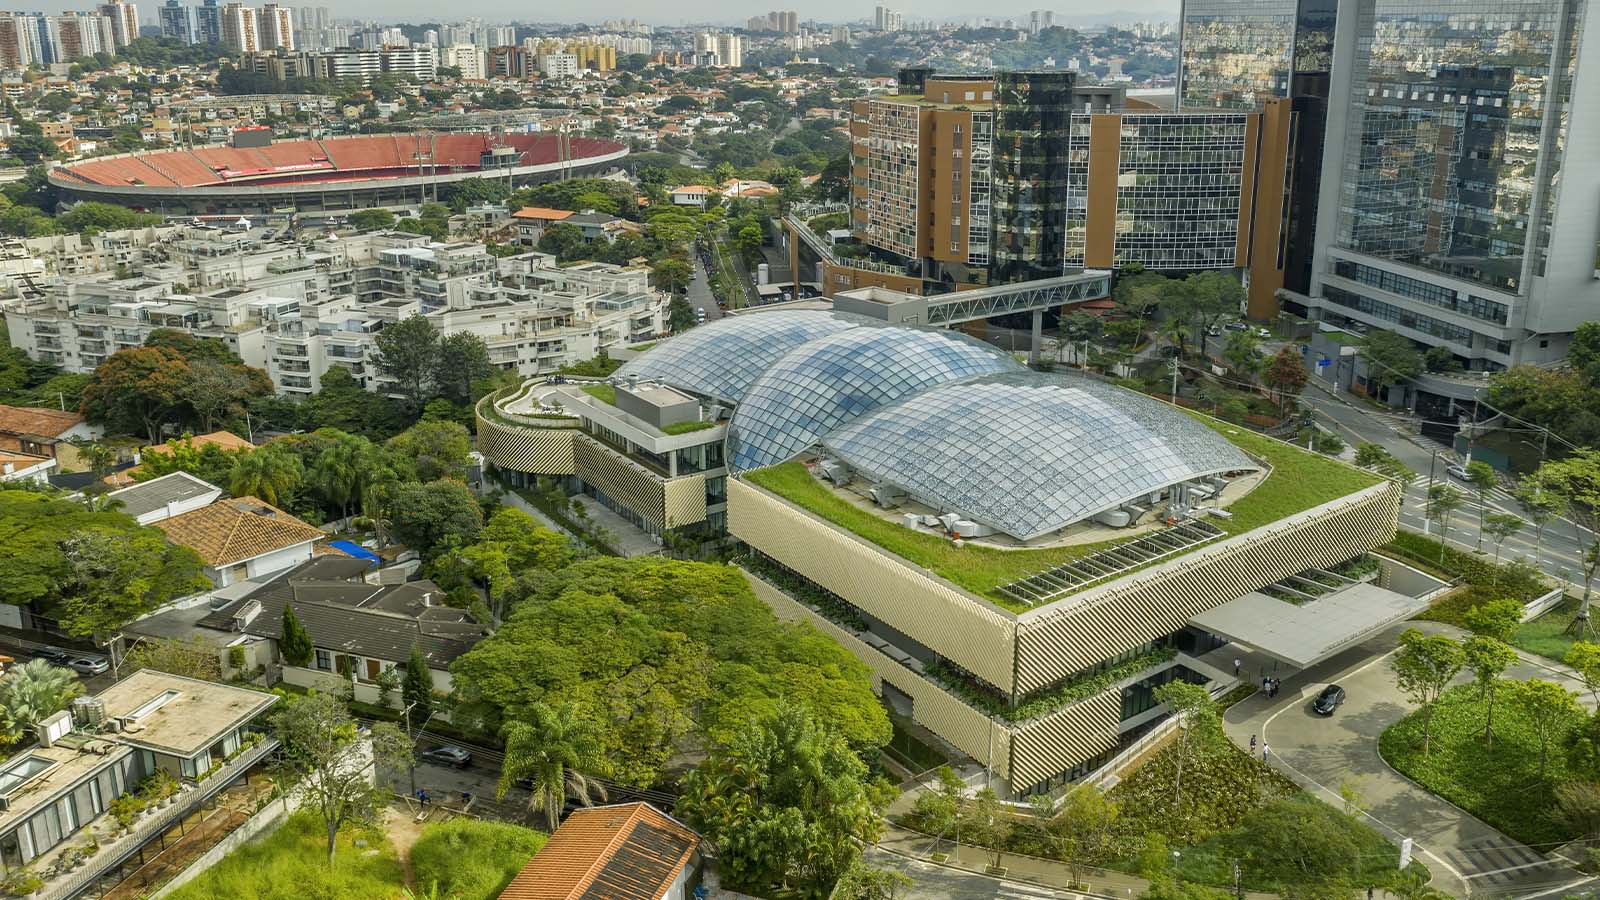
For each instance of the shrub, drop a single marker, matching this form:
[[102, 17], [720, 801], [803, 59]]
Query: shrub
[[467, 859], [292, 863]]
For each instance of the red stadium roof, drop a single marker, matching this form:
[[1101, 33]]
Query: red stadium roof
[[331, 159]]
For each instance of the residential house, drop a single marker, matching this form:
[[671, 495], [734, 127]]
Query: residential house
[[692, 195], [165, 497], [532, 221], [46, 432], [625, 851], [242, 538], [19, 467], [358, 628]]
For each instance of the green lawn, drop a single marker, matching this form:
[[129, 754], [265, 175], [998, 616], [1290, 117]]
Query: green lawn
[[292, 864], [685, 427], [471, 859], [1502, 786], [1547, 635], [605, 393], [1299, 481]]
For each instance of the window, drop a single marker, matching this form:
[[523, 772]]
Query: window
[[324, 660]]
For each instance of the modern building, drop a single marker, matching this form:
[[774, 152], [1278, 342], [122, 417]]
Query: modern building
[[61, 784], [967, 181], [124, 18], [1438, 184], [1017, 555], [240, 28], [208, 23], [19, 41], [275, 26]]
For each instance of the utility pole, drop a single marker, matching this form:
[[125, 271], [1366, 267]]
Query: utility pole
[[1173, 365]]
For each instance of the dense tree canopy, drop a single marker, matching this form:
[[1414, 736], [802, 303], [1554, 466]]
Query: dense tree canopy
[[662, 656]]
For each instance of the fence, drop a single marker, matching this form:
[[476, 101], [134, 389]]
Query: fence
[[1541, 605]]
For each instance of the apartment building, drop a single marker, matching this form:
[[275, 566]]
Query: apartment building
[[240, 28], [966, 181]]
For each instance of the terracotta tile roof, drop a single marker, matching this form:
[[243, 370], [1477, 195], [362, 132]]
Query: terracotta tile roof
[[541, 212], [32, 420], [227, 440], [234, 530], [630, 851]]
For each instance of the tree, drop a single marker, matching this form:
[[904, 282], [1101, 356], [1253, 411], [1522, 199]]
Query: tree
[[408, 354], [989, 825], [432, 516], [1210, 297], [1549, 710], [557, 753], [1082, 829], [672, 274], [1390, 359], [1487, 657], [1541, 507], [1497, 619], [333, 761], [1500, 527], [463, 361], [192, 658], [1584, 658], [1285, 375], [1242, 350], [1579, 806], [937, 811], [416, 689], [680, 314], [429, 451], [1197, 713], [371, 219], [33, 692], [1443, 501], [1423, 667], [1482, 478], [786, 803], [114, 577], [1576, 479], [272, 474], [864, 882], [136, 390], [296, 644], [1139, 295]]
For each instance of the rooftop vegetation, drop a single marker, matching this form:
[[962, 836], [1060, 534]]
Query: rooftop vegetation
[[1299, 480]]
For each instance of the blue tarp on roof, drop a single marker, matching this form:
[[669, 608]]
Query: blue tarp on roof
[[350, 548]]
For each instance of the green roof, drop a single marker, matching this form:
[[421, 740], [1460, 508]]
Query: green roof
[[1299, 480]]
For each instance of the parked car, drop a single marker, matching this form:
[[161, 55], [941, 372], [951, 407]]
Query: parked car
[[446, 755], [1328, 700], [52, 655], [88, 665], [1458, 472], [1237, 326]]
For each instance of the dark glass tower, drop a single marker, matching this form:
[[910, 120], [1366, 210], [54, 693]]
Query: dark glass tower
[[1033, 114]]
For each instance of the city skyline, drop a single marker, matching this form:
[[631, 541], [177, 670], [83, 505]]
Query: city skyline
[[689, 14]]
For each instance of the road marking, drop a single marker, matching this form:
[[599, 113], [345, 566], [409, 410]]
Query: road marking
[[1556, 890], [1532, 865]]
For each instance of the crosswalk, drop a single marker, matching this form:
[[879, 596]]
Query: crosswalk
[[1494, 861]]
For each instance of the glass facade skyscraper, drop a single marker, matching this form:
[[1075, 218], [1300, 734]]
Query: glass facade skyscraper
[[1033, 113], [1458, 114], [1235, 53]]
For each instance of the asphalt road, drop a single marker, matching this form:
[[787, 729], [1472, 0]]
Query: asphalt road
[[1467, 857], [700, 295], [1559, 553], [931, 881], [92, 684]]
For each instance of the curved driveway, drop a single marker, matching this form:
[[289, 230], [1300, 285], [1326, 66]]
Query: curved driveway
[[1467, 857]]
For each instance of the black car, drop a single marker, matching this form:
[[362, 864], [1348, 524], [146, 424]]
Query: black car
[[1328, 700], [53, 656]]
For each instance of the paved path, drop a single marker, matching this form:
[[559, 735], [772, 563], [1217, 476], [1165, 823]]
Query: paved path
[[700, 296], [1466, 856]]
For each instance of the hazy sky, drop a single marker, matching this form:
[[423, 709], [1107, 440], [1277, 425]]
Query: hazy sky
[[679, 12]]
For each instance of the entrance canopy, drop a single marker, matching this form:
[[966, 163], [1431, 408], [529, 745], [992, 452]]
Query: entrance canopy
[[1305, 635]]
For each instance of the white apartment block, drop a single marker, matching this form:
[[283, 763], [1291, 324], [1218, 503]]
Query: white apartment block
[[558, 65], [297, 311]]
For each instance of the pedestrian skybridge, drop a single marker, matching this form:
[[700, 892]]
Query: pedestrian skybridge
[[1304, 634]]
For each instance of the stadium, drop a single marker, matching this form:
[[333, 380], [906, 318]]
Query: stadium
[[325, 174]]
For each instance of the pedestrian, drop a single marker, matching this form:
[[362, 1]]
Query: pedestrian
[[466, 799], [1252, 745], [1237, 665], [422, 795], [1266, 684], [1266, 751]]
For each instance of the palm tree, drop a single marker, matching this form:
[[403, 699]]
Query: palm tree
[[272, 474], [99, 457], [337, 473], [35, 691], [550, 749]]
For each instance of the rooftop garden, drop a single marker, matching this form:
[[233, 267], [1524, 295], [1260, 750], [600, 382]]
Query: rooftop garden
[[1299, 480], [605, 393], [687, 427]]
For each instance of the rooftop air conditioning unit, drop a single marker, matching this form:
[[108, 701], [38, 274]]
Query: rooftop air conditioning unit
[[835, 471], [970, 529], [1115, 518], [911, 520], [246, 614], [54, 728], [88, 712], [948, 521], [887, 496]]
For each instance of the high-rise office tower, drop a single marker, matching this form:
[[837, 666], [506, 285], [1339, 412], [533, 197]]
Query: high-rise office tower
[[1458, 204], [1237, 54], [1040, 19], [177, 21]]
